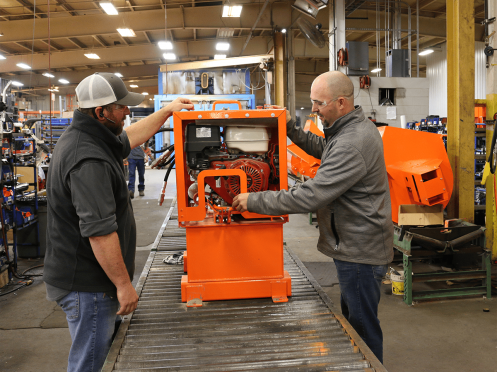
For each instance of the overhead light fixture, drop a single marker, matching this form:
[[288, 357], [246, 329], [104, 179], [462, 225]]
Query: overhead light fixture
[[169, 56], [310, 7], [2, 57], [232, 10], [54, 89], [220, 56], [17, 84], [283, 30], [118, 74], [92, 56], [48, 75], [109, 8], [222, 46], [63, 81], [376, 70], [165, 45], [426, 52], [225, 33], [133, 86], [145, 93], [24, 66], [126, 32], [1, 33]]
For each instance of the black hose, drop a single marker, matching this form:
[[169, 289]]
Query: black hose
[[165, 130], [168, 161], [491, 155], [171, 166], [13, 290], [164, 149]]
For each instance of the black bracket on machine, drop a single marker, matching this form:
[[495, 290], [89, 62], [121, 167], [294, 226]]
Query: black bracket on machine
[[204, 84]]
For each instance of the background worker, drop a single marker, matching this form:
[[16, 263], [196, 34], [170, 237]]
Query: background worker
[[91, 231], [351, 196], [136, 162]]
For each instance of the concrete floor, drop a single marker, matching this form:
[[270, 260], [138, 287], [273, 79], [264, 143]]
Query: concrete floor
[[442, 336]]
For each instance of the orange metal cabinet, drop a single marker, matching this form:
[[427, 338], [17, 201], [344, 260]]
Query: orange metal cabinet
[[230, 255]]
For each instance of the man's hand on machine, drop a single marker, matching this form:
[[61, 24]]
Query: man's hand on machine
[[240, 202], [179, 104], [288, 116]]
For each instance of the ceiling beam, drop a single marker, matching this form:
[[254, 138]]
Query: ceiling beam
[[26, 4], [68, 8], [76, 42], [101, 41]]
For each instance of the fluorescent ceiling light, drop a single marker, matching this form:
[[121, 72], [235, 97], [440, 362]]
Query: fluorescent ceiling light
[[118, 74], [109, 8], [2, 57], [63, 81], [48, 75], [232, 11], [222, 46], [169, 56], [283, 30], [133, 86], [126, 32], [56, 89], [301, 108], [225, 33], [165, 45], [426, 52], [17, 84], [92, 56], [220, 56], [24, 66], [145, 93], [376, 70]]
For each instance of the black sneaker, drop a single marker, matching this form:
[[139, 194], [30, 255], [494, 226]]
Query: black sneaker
[[142, 193], [131, 194]]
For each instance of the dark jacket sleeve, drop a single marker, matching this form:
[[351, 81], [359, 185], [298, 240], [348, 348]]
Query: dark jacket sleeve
[[94, 201], [307, 141], [342, 168]]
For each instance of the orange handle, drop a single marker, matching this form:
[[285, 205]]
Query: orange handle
[[227, 101]]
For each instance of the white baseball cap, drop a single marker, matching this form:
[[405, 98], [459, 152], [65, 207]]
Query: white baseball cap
[[103, 88]]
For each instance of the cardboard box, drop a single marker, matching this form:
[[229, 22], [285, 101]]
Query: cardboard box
[[4, 277], [421, 215], [27, 176]]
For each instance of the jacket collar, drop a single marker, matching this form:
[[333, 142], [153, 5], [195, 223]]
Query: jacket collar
[[93, 127], [355, 116]]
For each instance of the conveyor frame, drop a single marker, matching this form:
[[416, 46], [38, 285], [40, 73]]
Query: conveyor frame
[[304, 334]]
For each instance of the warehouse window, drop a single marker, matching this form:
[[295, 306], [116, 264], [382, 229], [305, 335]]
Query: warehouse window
[[386, 96]]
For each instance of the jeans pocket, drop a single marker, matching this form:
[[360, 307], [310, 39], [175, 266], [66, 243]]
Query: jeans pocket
[[379, 271], [70, 305]]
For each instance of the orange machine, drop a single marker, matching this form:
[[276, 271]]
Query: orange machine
[[220, 154], [417, 164]]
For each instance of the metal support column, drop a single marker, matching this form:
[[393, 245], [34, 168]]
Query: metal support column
[[279, 69], [291, 75], [491, 102], [460, 118]]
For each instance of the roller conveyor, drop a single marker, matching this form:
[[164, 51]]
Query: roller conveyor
[[304, 334]]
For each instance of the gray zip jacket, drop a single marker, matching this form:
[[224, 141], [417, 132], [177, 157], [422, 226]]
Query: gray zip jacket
[[349, 192]]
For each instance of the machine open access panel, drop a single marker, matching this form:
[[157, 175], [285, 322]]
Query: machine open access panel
[[220, 154]]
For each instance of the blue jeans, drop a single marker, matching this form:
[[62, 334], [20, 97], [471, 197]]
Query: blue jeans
[[140, 165], [360, 296], [92, 320]]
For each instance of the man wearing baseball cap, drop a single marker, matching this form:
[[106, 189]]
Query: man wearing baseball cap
[[91, 232]]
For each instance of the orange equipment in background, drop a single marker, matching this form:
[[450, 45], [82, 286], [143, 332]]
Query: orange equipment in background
[[417, 164], [220, 154]]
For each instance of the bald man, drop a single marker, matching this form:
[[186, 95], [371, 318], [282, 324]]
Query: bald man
[[351, 196]]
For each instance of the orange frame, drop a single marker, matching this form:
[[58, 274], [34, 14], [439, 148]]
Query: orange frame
[[242, 258]]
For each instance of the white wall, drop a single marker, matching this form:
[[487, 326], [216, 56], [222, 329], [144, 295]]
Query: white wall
[[414, 106], [436, 72]]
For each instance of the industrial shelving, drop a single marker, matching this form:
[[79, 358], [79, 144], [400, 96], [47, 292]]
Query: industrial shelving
[[16, 152]]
